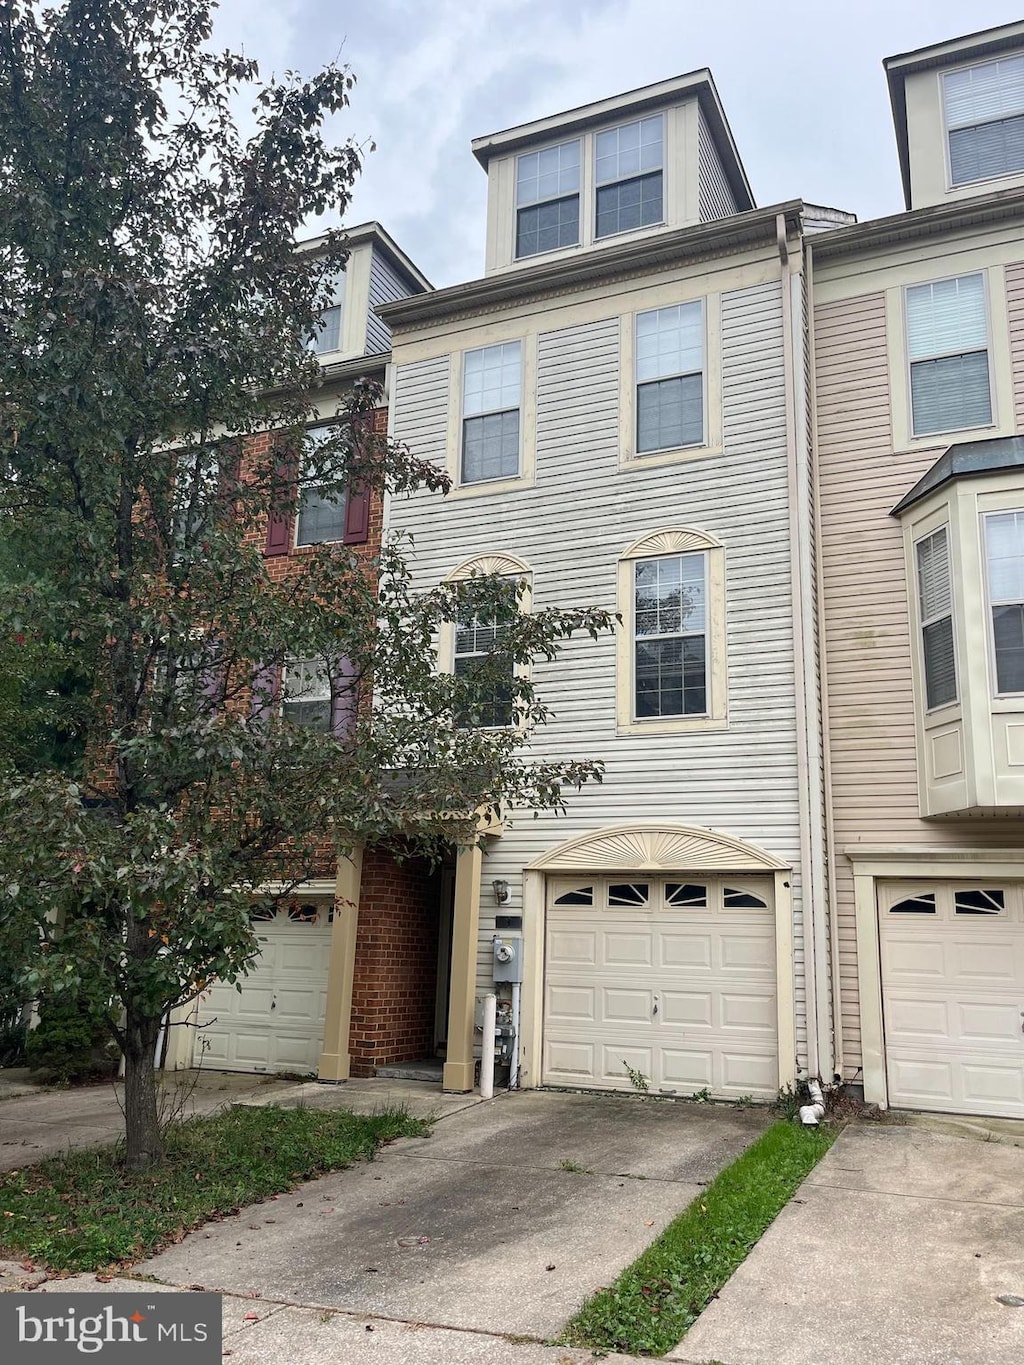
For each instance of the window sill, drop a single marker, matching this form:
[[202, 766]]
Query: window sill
[[476, 490], [678, 455], [679, 725], [938, 440]]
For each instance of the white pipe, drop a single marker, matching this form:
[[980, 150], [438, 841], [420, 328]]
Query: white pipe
[[812, 1114], [487, 1048], [513, 1072]]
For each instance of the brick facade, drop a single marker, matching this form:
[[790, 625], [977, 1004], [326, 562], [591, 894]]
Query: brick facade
[[394, 991]]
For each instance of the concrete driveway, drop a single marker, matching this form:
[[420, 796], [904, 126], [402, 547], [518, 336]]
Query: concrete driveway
[[502, 1223], [896, 1248]]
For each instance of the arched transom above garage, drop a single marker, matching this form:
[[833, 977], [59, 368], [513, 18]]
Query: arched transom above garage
[[657, 848]]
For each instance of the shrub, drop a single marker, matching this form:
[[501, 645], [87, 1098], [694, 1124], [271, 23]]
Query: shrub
[[71, 1041]]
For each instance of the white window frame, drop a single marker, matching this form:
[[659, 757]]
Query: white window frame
[[577, 194], [664, 544], [923, 621], [682, 635], [949, 128], [597, 184], [315, 434], [307, 665], [936, 435], [500, 564], [639, 383], [466, 417], [337, 307], [990, 602]]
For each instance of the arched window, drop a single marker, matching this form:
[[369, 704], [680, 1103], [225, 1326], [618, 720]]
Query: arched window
[[467, 644], [671, 655]]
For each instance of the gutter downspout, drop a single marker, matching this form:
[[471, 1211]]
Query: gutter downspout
[[826, 728], [802, 608]]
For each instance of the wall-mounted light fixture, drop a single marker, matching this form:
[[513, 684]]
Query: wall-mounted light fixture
[[500, 889]]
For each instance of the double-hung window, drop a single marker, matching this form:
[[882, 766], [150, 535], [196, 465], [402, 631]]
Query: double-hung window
[[629, 175], [306, 694], [670, 661], [670, 377], [328, 335], [321, 514], [984, 109], [935, 603], [548, 199], [491, 389], [947, 344], [1004, 554], [477, 636]]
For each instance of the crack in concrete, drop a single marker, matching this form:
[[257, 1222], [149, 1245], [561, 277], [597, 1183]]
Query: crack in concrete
[[909, 1194]]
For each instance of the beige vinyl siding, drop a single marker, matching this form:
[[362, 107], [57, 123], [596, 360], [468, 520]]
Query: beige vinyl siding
[[867, 633], [1015, 316], [572, 525], [715, 198]]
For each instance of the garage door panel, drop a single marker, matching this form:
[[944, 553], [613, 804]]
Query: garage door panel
[[572, 949], [690, 1009], [990, 1022], [275, 1023], [626, 949], [749, 1073], [687, 1069], [569, 1063], [682, 993], [918, 1019], [573, 1004], [748, 1012], [626, 1006], [993, 1082], [748, 953], [952, 1000], [688, 951]]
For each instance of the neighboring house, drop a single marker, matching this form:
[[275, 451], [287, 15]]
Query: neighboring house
[[919, 373], [282, 1017], [622, 405]]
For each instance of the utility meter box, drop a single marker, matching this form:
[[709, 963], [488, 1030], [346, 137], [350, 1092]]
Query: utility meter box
[[508, 958]]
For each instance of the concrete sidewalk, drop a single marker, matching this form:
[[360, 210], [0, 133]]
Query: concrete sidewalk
[[896, 1248], [37, 1121]]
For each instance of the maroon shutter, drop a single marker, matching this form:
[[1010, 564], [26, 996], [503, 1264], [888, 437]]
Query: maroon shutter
[[357, 515], [279, 522]]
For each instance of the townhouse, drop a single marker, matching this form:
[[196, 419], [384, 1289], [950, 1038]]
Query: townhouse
[[784, 447], [918, 354]]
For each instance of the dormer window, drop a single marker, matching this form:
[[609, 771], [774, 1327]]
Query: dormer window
[[328, 335], [548, 199], [628, 172], [984, 109]]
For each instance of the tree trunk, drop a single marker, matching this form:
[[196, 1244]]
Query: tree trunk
[[142, 1129]]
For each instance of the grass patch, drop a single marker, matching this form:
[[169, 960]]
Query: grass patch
[[657, 1299], [83, 1211]]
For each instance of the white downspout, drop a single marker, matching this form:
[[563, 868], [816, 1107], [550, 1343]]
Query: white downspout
[[812, 1114], [826, 731], [802, 606]]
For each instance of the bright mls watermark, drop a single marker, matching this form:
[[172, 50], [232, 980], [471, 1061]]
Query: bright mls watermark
[[55, 1328]]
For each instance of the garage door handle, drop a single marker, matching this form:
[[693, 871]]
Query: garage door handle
[[655, 1007], [273, 1003]]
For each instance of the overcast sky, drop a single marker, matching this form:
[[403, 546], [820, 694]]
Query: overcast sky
[[802, 87]]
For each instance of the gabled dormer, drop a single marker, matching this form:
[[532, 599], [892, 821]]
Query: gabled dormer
[[641, 163], [958, 108], [378, 271]]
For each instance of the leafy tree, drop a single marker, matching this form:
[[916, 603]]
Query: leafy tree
[[153, 322]]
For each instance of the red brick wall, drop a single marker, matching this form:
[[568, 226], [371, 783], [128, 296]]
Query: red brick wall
[[394, 988]]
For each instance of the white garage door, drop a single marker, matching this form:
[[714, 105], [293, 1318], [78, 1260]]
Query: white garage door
[[953, 996], [276, 1021], [672, 978]]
